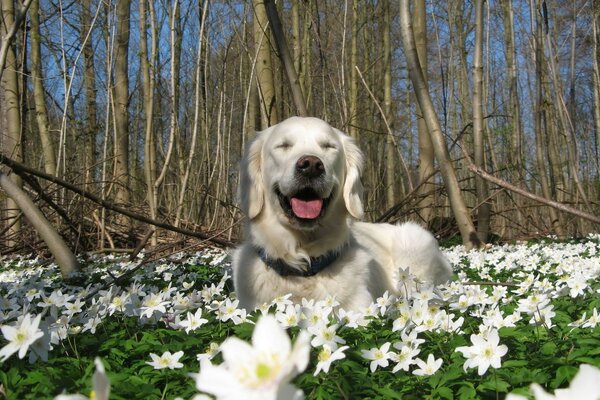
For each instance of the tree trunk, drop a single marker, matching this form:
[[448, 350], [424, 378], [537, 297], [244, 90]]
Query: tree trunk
[[65, 258], [121, 99], [89, 82], [540, 117], [390, 168], [38, 91], [461, 213], [426, 160], [286, 59], [264, 68], [353, 92], [11, 108], [596, 80], [147, 77], [515, 153], [483, 211]]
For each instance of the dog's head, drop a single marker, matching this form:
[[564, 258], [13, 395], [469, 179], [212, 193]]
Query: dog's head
[[301, 169]]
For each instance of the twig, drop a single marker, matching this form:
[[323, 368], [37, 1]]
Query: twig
[[554, 204], [19, 167], [6, 40], [388, 127]]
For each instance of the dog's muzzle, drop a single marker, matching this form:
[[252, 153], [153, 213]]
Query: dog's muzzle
[[308, 202]]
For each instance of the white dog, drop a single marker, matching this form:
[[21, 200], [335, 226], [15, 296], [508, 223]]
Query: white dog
[[300, 188]]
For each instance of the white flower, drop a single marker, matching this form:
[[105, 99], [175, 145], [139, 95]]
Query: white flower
[[411, 340], [262, 370], [405, 358], [427, 368], [584, 386], [351, 319], [325, 335], [167, 360], [100, 383], [152, 303], [592, 321], [193, 321], [379, 356], [484, 352], [326, 357], [384, 302], [20, 336], [289, 317], [211, 351], [228, 311]]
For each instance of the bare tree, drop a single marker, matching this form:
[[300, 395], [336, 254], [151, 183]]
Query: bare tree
[[89, 78], [12, 140], [121, 100], [264, 67], [426, 155], [461, 213], [483, 205], [38, 90]]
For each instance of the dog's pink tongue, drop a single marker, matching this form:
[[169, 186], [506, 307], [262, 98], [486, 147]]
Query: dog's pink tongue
[[307, 209]]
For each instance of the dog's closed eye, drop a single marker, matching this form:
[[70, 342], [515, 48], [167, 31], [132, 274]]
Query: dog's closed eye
[[328, 145], [283, 146]]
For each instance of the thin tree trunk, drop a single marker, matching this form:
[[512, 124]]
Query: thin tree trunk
[[198, 115], [483, 211], [38, 91], [121, 100], [285, 57], [515, 153], [264, 67], [390, 170], [353, 92], [147, 77], [461, 213], [89, 82], [11, 108], [541, 141], [426, 156], [596, 80], [65, 258]]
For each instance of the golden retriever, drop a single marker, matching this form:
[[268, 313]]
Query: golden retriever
[[301, 191]]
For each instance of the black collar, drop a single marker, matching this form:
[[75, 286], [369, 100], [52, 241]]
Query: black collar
[[316, 265]]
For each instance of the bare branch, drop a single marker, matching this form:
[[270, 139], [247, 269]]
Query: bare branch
[[65, 258]]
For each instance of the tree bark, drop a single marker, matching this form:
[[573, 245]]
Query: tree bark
[[65, 258], [353, 92], [390, 170], [121, 99], [541, 140], [286, 59], [38, 91], [11, 107], [264, 66], [147, 77], [426, 156], [515, 153], [483, 211], [89, 82], [596, 80], [461, 213]]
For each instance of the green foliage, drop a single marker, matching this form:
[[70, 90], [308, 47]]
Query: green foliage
[[548, 356]]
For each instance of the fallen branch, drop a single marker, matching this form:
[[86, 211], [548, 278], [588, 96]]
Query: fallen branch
[[554, 204], [20, 168], [65, 258]]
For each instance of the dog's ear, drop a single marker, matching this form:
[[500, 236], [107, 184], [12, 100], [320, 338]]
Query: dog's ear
[[353, 188], [251, 190]]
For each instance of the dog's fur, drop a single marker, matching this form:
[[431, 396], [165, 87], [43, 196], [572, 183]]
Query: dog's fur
[[370, 254]]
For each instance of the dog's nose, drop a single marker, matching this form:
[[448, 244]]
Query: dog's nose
[[310, 166]]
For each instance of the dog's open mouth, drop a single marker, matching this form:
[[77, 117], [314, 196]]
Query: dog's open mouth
[[304, 205]]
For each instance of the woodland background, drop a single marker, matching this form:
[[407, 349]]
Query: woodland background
[[119, 115]]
